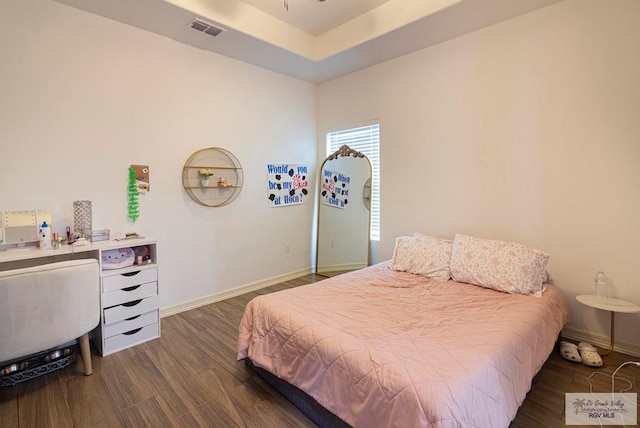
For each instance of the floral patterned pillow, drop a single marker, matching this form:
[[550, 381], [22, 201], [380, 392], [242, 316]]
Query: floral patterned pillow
[[502, 266], [422, 255]]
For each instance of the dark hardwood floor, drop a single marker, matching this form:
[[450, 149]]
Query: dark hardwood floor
[[190, 378]]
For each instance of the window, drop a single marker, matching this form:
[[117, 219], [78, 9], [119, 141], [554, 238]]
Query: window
[[365, 139]]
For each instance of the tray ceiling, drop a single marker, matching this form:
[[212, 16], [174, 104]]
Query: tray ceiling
[[313, 40]]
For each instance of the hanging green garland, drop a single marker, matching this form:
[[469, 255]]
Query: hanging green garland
[[133, 206]]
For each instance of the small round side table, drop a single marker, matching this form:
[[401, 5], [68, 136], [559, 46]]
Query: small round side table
[[608, 304]]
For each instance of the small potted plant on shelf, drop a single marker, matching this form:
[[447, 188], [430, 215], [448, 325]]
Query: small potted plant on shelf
[[205, 176]]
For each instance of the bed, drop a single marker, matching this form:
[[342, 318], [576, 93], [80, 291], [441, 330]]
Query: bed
[[379, 347]]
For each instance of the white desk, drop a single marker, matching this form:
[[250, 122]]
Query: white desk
[[129, 300], [608, 304], [32, 256]]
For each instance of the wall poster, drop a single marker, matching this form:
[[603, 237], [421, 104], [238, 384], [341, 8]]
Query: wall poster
[[335, 189], [287, 184], [142, 177]]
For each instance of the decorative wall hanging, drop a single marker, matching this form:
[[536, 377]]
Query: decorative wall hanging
[[287, 184], [142, 177], [133, 207], [212, 177], [335, 189]]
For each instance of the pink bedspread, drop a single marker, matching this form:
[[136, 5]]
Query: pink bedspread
[[383, 348]]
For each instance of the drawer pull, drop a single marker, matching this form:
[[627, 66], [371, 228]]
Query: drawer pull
[[135, 287], [133, 303], [131, 273], [132, 318], [129, 333]]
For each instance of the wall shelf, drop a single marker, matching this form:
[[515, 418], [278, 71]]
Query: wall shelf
[[224, 166]]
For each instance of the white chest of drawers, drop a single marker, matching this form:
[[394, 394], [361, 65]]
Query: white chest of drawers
[[129, 305]]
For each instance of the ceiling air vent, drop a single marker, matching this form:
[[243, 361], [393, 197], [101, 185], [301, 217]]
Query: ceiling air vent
[[205, 27]]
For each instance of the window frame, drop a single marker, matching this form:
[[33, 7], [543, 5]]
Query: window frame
[[364, 138]]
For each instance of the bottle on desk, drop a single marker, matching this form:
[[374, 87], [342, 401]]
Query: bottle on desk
[[55, 240], [45, 236], [601, 285]]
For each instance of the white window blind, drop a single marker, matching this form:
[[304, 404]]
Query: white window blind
[[365, 139]]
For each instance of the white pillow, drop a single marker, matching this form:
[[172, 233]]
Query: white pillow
[[502, 266], [422, 255]]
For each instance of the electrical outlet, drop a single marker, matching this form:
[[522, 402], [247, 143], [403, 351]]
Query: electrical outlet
[[332, 243], [287, 248]]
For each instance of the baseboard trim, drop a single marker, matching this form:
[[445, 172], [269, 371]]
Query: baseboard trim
[[600, 341], [227, 294]]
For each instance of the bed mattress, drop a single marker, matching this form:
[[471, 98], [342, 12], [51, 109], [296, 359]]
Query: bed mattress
[[378, 347]]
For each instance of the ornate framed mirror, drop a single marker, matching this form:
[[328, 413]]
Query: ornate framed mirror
[[343, 215]]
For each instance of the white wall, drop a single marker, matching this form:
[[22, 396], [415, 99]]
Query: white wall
[[83, 97], [525, 131]]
